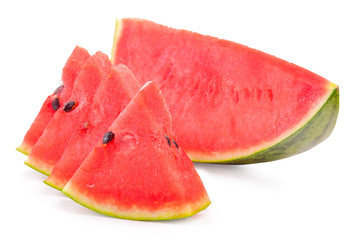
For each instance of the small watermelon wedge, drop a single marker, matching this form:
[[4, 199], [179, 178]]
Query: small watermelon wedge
[[50, 146], [138, 171], [52, 103], [111, 97], [229, 103]]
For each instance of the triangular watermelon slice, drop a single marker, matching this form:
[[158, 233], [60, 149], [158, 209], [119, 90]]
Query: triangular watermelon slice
[[111, 97], [229, 103], [50, 146], [52, 103], [138, 171]]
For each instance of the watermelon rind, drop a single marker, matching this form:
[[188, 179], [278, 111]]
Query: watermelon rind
[[23, 149], [313, 132], [137, 214], [53, 185], [38, 166], [43, 171]]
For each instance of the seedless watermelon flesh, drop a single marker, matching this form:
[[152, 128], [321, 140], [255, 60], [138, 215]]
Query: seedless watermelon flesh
[[229, 103], [50, 146], [111, 97], [69, 73], [142, 173]]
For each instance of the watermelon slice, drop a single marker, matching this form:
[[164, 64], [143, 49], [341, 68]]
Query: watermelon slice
[[229, 103], [111, 97], [139, 171], [70, 72], [51, 144]]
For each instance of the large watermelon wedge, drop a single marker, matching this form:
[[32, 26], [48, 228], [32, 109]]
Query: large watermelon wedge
[[111, 97], [50, 146], [69, 73], [138, 171], [229, 103]]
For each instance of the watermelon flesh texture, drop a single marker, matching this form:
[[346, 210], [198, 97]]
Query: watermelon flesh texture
[[111, 97], [50, 146], [70, 72], [228, 102], [139, 175]]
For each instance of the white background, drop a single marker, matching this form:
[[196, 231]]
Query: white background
[[308, 196]]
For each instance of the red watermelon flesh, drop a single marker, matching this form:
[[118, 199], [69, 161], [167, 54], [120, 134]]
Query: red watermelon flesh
[[50, 146], [142, 173], [228, 101], [111, 97], [69, 73]]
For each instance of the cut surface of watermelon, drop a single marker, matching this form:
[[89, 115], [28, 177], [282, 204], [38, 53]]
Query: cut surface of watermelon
[[50, 146], [229, 103], [70, 72], [142, 173], [111, 97]]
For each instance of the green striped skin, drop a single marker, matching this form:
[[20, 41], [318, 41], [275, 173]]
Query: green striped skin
[[317, 129]]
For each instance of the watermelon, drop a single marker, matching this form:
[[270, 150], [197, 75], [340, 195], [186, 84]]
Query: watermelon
[[111, 97], [139, 171], [51, 144], [229, 103], [69, 73]]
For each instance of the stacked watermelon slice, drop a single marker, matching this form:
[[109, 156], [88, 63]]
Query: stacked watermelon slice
[[55, 100], [108, 140], [114, 127]]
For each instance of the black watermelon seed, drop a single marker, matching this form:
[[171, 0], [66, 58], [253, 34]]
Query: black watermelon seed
[[174, 142], [59, 89], [55, 104], [168, 140], [69, 106], [108, 137]]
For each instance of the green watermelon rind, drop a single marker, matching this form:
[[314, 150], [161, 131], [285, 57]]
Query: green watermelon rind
[[53, 185], [38, 166], [138, 215], [23, 150], [313, 132], [37, 169]]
